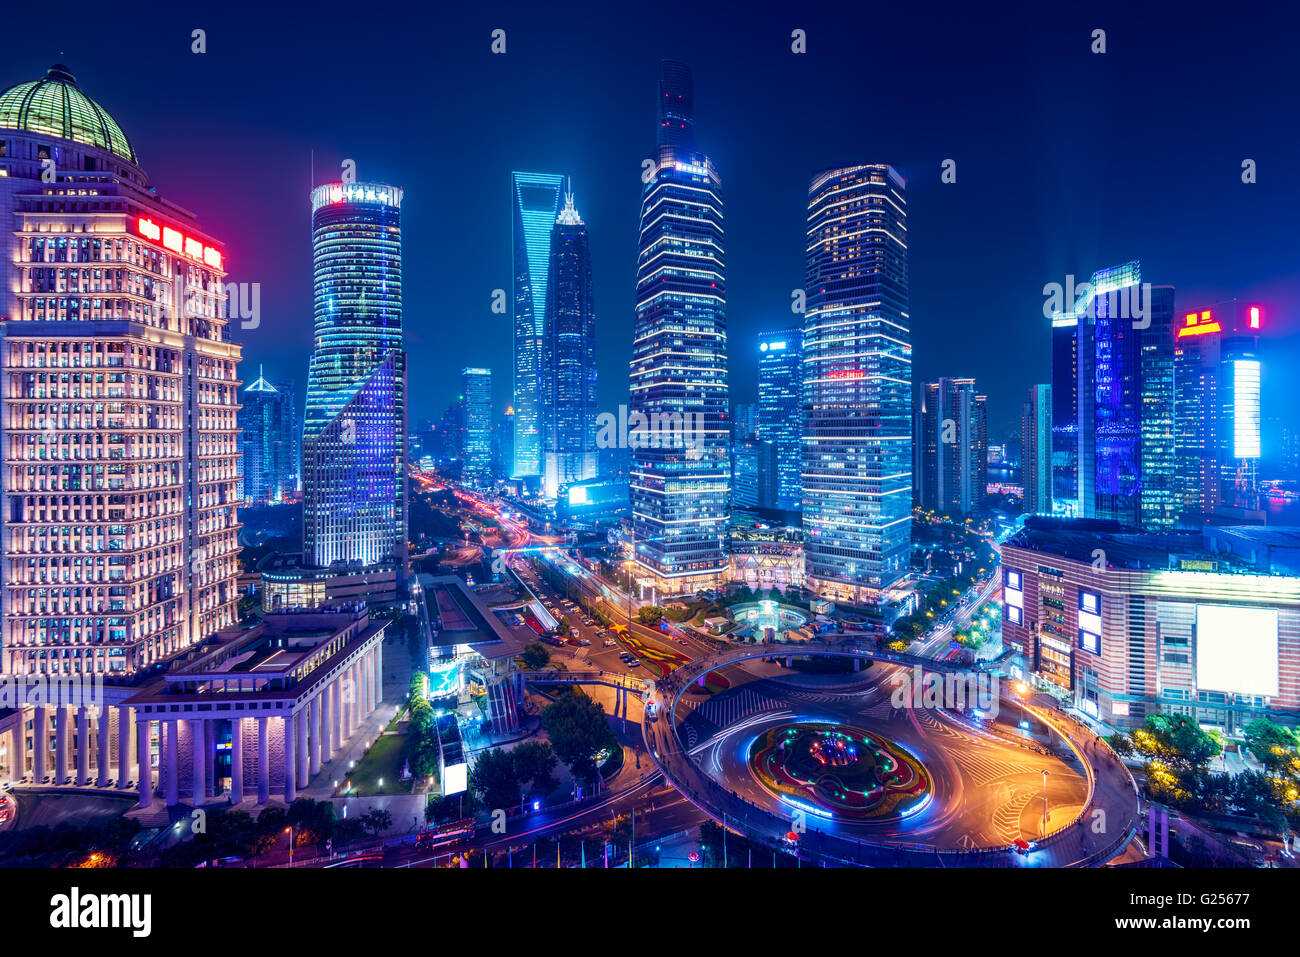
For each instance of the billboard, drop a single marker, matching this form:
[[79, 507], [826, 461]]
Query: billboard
[[1236, 650]]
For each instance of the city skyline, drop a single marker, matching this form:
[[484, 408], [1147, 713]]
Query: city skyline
[[971, 542], [1044, 231]]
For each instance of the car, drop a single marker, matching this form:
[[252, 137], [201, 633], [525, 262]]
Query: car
[[584, 642], [610, 643], [634, 663]]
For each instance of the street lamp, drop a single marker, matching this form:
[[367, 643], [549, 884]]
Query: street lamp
[[1045, 772]]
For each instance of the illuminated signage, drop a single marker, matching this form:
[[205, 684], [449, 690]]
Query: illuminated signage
[[1237, 649], [178, 242], [1254, 317], [774, 346], [1245, 409], [691, 168]]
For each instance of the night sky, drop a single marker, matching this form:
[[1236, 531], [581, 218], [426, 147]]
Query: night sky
[[1066, 160]]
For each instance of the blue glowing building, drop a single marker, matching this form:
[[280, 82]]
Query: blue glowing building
[[780, 410], [354, 435], [857, 463], [679, 403], [535, 201]]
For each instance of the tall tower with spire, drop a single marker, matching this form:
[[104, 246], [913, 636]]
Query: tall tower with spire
[[678, 414], [269, 441], [568, 392]]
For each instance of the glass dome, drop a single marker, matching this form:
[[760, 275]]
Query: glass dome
[[55, 105]]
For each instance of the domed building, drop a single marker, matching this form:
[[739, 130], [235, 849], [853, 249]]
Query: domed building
[[121, 458]]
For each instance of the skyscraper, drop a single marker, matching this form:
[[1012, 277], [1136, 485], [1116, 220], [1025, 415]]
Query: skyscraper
[[857, 487], [1065, 411], [780, 409], [1211, 347], [568, 394], [1132, 460], [679, 401], [269, 441], [1036, 435], [476, 448], [354, 436], [1123, 344], [954, 456], [121, 449], [535, 201]]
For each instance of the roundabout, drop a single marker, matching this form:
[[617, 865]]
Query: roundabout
[[848, 777], [846, 771]]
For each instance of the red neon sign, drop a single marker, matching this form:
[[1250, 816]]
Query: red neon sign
[[178, 242], [1254, 317]]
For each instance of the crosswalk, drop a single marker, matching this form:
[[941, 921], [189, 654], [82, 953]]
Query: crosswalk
[[728, 709]]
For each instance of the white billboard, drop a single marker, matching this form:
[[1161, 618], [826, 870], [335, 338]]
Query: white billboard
[[1236, 650], [455, 779]]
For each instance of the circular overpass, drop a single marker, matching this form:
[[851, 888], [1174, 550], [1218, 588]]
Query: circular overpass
[[985, 789]]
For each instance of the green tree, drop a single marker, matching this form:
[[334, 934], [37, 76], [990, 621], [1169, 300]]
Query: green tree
[[535, 656], [578, 730], [650, 614], [495, 780], [534, 762], [1275, 747], [376, 821]]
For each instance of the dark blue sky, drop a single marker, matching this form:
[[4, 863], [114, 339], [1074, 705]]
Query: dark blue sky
[[1066, 161]]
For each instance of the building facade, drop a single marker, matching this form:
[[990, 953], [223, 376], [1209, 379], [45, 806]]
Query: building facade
[[568, 393], [679, 396], [1134, 624], [270, 441], [857, 485], [476, 444], [954, 455], [1036, 435], [780, 410], [119, 424], [535, 203], [354, 436]]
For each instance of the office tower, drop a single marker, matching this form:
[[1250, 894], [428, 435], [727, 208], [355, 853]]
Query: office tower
[[1036, 434], [1211, 346], [1065, 411], [354, 436], [780, 409], [754, 473], [680, 463], [744, 421], [857, 486], [476, 397], [954, 458], [1123, 341], [1133, 400], [535, 202], [121, 448], [568, 397], [1239, 434], [269, 441], [979, 451]]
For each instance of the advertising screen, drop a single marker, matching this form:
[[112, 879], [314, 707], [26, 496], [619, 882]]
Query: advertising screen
[[1236, 650]]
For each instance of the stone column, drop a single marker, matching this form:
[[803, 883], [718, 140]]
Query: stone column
[[313, 735], [263, 763], [290, 760], [355, 672], [145, 776], [103, 735], [41, 732], [17, 748], [83, 745], [236, 760], [199, 775], [60, 744], [301, 720], [379, 673], [346, 694], [124, 716], [327, 721], [172, 761]]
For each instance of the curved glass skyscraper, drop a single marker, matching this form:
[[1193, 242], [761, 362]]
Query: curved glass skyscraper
[[678, 418], [857, 464], [354, 437]]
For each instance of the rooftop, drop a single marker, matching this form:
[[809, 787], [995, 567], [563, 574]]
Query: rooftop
[[56, 106]]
